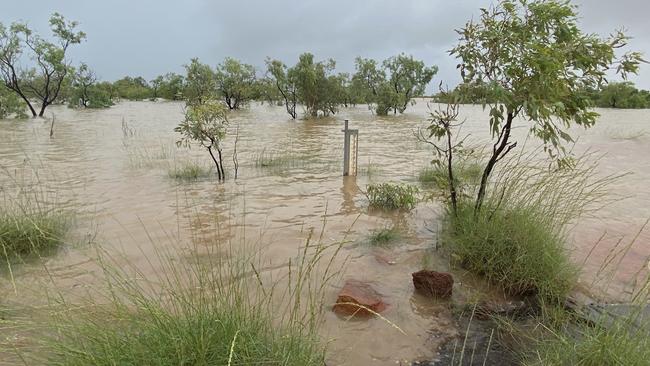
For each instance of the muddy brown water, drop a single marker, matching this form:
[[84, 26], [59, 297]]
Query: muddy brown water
[[116, 180]]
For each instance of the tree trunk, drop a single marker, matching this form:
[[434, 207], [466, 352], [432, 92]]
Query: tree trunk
[[497, 153], [43, 106], [216, 163], [222, 174]]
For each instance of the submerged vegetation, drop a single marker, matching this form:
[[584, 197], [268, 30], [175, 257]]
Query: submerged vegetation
[[384, 236], [188, 171], [392, 196]]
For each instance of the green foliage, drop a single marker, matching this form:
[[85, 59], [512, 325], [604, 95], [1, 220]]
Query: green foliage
[[132, 88], [316, 85], [621, 95], [393, 86], [517, 240], [514, 247], [10, 104], [200, 83], [85, 92], [188, 171], [204, 310], [466, 174], [535, 62], [44, 77], [168, 86], [235, 81], [286, 86], [385, 236], [392, 196], [33, 232], [204, 123]]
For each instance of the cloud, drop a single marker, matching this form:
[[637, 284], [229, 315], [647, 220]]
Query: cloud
[[149, 37]]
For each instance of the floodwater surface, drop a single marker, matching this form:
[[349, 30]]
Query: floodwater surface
[[111, 168]]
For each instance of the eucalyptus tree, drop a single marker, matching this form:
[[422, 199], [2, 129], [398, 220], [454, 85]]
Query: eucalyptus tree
[[408, 78], [205, 123], [132, 88], [538, 65], [278, 73], [83, 79], [235, 82], [44, 77], [200, 83], [391, 85], [314, 84], [171, 87]]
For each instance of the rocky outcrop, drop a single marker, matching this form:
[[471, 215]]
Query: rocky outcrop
[[433, 284]]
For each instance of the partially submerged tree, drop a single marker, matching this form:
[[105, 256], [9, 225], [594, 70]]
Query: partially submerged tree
[[393, 85], [235, 82], [277, 72], [408, 78], [84, 90], [537, 65], [315, 84], [44, 80], [200, 83], [205, 123]]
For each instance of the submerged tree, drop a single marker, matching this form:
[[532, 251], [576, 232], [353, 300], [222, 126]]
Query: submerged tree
[[44, 81], [315, 84], [205, 123], [537, 65], [235, 81], [277, 72], [200, 83], [84, 91], [393, 85]]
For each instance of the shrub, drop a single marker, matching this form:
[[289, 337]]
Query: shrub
[[392, 196], [518, 239]]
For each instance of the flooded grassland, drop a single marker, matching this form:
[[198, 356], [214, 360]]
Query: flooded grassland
[[112, 169]]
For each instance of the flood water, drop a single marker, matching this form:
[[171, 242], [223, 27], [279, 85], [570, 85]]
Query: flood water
[[117, 180]]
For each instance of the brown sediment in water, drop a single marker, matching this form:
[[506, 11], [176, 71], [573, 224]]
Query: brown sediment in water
[[118, 183]]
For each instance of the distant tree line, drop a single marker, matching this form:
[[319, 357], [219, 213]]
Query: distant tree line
[[37, 73], [623, 95]]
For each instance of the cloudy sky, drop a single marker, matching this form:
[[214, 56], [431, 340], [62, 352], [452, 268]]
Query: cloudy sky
[[151, 37]]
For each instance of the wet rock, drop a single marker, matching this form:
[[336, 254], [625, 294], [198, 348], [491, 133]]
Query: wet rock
[[359, 298], [433, 284]]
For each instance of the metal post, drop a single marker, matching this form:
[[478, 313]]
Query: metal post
[[346, 150]]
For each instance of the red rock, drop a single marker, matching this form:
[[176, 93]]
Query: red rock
[[356, 297], [433, 284]]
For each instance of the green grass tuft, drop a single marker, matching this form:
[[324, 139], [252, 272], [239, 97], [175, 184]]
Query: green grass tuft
[[383, 237], [436, 176], [25, 233], [392, 196], [592, 345], [513, 248], [189, 171]]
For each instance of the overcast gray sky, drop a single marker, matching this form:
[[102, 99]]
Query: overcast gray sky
[[151, 37]]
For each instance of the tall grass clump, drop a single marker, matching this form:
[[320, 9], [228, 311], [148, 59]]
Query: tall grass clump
[[392, 196], [517, 240], [31, 222], [208, 309], [584, 344], [464, 174], [188, 171]]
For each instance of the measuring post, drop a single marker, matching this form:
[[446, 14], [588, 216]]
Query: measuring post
[[350, 150]]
